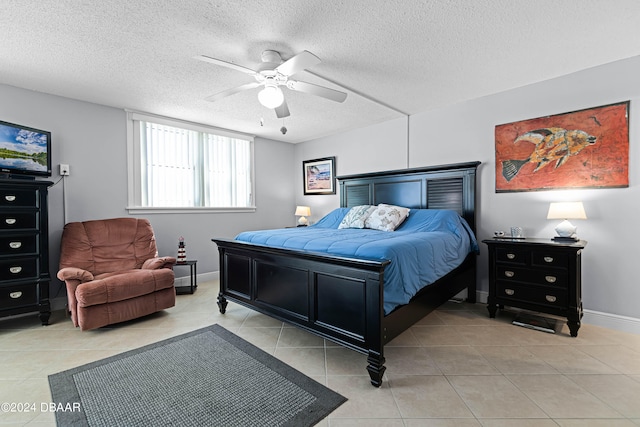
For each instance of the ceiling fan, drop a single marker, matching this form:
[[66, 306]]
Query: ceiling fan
[[272, 73]]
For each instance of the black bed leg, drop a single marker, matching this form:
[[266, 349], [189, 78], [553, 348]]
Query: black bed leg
[[222, 303], [376, 368]]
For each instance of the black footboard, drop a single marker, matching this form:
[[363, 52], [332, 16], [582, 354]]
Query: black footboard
[[336, 298]]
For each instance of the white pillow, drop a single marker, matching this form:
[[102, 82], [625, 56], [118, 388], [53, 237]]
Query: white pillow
[[386, 217], [356, 216]]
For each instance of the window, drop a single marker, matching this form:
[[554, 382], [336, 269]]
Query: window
[[177, 165]]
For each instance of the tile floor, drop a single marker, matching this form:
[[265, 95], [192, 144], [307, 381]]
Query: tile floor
[[456, 367]]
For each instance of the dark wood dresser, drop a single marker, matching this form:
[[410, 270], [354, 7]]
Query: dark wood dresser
[[541, 275], [24, 248]]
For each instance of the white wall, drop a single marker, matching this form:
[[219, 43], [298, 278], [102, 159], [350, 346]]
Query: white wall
[[92, 139], [465, 132], [357, 151]]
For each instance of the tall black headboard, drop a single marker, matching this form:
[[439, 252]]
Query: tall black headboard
[[434, 187]]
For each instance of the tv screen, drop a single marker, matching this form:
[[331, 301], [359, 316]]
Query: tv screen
[[24, 150]]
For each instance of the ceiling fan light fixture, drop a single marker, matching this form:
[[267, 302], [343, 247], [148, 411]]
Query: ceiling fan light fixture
[[271, 96]]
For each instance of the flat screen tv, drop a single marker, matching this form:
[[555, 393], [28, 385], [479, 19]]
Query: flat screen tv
[[24, 151]]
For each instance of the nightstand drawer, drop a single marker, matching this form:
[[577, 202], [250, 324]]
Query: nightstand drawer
[[549, 259], [18, 244], [18, 268], [548, 277], [18, 197], [17, 220], [533, 295], [511, 256], [18, 296]]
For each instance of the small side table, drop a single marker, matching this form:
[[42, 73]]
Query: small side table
[[192, 272]]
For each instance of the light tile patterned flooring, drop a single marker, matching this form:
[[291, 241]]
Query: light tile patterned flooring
[[456, 367]]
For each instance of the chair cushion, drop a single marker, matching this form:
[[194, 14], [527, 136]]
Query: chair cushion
[[122, 285], [101, 246]]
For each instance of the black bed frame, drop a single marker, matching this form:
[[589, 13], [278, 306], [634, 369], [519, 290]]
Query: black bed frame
[[341, 299]]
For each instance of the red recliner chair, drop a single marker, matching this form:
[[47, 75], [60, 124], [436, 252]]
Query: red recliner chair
[[113, 273]]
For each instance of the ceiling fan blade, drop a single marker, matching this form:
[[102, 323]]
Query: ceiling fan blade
[[225, 64], [231, 91], [297, 63], [283, 110], [325, 92]]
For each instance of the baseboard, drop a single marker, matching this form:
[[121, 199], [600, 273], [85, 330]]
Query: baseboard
[[591, 317], [59, 303], [200, 278], [612, 321], [481, 297]]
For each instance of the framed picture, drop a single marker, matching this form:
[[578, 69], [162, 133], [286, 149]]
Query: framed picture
[[319, 176], [582, 149]]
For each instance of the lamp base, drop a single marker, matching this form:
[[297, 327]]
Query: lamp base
[[566, 229]]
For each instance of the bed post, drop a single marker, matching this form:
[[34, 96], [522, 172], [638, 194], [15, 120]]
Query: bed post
[[376, 367], [222, 303]]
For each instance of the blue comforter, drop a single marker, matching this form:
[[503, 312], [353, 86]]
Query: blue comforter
[[427, 245]]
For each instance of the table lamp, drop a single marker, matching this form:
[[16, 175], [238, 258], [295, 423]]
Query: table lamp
[[566, 211], [303, 212]]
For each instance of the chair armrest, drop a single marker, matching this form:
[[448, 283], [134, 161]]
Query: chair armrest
[[159, 262], [73, 273], [73, 277]]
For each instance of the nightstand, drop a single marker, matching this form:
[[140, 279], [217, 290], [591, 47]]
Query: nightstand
[[193, 284], [536, 274]]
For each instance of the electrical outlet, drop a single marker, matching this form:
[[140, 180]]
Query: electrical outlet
[[64, 170]]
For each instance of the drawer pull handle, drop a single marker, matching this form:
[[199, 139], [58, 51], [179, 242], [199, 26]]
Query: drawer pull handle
[[10, 198], [550, 279], [548, 259], [509, 273], [550, 298], [15, 245], [15, 295], [511, 256], [10, 221], [509, 291], [15, 270]]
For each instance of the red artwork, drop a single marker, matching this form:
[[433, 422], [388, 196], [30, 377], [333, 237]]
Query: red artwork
[[582, 149]]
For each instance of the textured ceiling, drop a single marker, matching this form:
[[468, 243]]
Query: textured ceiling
[[410, 55]]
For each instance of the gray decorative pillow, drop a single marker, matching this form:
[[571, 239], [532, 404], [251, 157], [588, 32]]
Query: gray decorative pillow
[[356, 216], [386, 217]]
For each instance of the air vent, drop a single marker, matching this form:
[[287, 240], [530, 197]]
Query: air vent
[[356, 195], [445, 194]]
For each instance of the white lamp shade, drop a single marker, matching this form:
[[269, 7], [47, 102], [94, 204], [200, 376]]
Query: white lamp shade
[[566, 210], [271, 96], [303, 211]]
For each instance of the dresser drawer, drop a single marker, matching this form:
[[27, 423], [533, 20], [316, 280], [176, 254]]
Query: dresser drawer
[[512, 256], [18, 244], [545, 277], [18, 296], [18, 220], [549, 259], [551, 297], [18, 268], [18, 197]]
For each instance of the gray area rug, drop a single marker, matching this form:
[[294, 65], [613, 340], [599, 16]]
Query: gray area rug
[[208, 377]]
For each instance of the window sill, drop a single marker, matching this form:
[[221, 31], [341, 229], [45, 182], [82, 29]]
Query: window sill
[[153, 210]]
